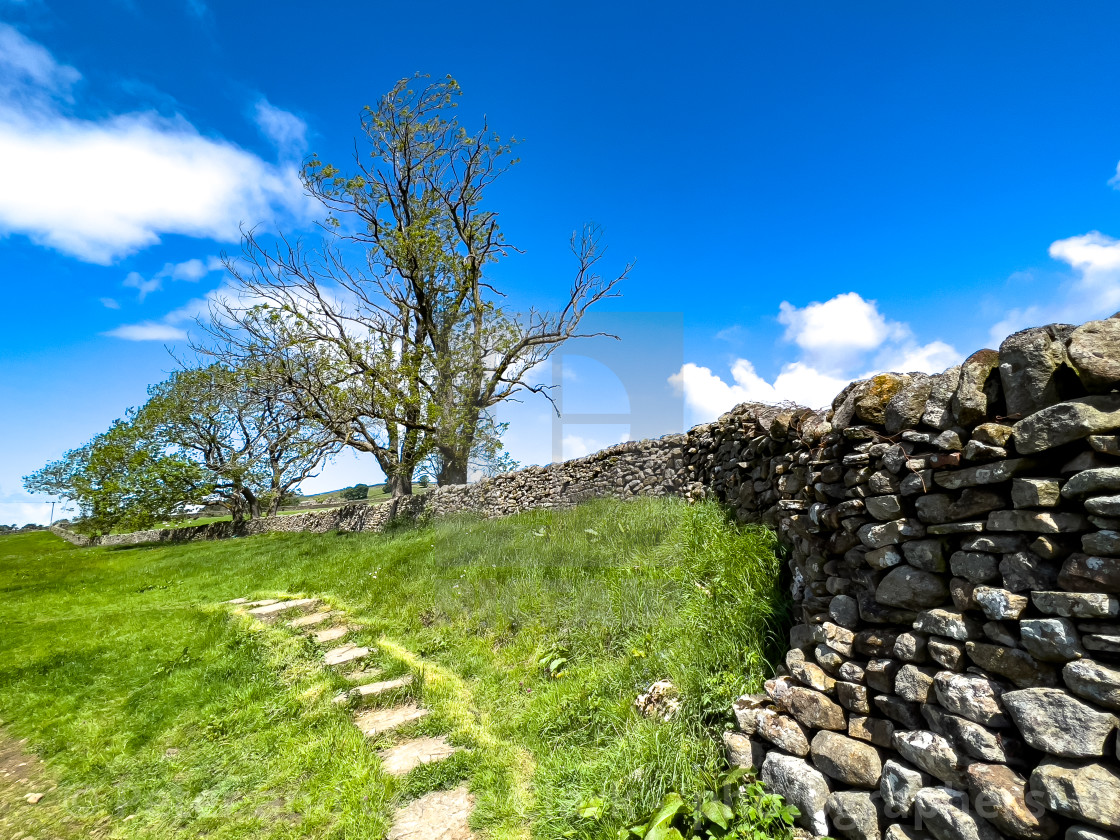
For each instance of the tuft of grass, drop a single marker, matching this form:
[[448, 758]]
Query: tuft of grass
[[110, 657]]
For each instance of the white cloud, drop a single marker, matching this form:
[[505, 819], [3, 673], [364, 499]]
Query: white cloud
[[838, 340], [109, 303], [100, 189], [191, 271], [148, 331], [839, 329], [284, 129], [708, 396], [1093, 291]]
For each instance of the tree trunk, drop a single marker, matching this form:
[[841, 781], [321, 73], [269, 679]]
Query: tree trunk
[[399, 485], [253, 502], [453, 470]]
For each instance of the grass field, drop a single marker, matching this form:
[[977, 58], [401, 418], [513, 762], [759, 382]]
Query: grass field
[[159, 715]]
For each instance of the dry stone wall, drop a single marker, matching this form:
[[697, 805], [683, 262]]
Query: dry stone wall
[[954, 671]]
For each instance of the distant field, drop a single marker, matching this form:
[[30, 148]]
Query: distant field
[[376, 496], [160, 716]]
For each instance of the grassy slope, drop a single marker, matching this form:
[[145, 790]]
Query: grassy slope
[[111, 657]]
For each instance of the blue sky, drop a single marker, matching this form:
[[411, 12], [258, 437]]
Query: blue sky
[[819, 190]]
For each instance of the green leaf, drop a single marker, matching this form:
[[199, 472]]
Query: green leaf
[[671, 805], [718, 813]]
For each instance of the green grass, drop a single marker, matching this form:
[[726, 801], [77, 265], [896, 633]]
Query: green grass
[[111, 657]]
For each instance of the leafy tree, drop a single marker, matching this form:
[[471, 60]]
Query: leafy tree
[[123, 478], [403, 351], [356, 493], [236, 425]]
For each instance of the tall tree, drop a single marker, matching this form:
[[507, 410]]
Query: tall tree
[[123, 478], [403, 351], [240, 429]]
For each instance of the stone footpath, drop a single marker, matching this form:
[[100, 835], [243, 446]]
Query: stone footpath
[[439, 815]]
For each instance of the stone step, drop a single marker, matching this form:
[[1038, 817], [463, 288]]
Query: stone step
[[373, 689], [440, 815], [375, 721], [406, 757], [266, 602], [236, 601], [270, 612], [344, 654], [310, 620], [331, 634]]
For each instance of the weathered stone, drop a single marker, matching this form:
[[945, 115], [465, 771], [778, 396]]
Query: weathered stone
[[844, 610], [1054, 722], [847, 760], [938, 412], [1101, 481], [890, 533], [1050, 548], [880, 674], [404, 758], [960, 590], [999, 604], [946, 815], [971, 696], [1030, 361], [910, 588], [914, 684], [1085, 573], [948, 653], [947, 623], [903, 712], [993, 434], [853, 697], [983, 474], [813, 709], [1076, 604], [800, 785], [834, 636], [375, 721], [784, 733], [1103, 506], [1084, 832], [911, 647], [974, 566], [975, 740], [949, 441], [1050, 639], [974, 450], [1017, 665], [995, 543], [1004, 633], [1094, 351], [743, 750], [747, 709], [851, 672], [1035, 492], [873, 730], [955, 528], [927, 555], [829, 659], [1038, 522], [898, 831], [1102, 642], [1024, 571], [1105, 444], [931, 753], [808, 673], [855, 815], [977, 389], [1094, 681], [1086, 792], [905, 408], [884, 508], [899, 786], [939, 508], [871, 401], [1104, 542], [443, 813], [1002, 796], [1066, 422], [884, 558]]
